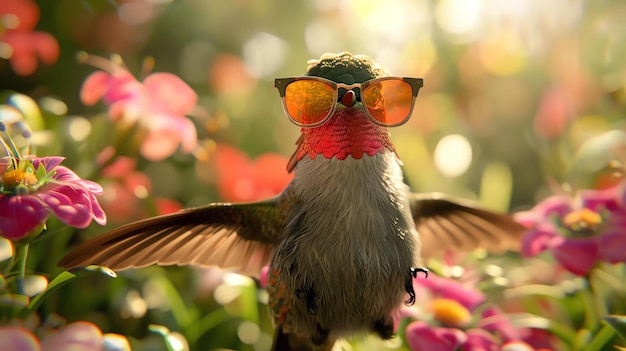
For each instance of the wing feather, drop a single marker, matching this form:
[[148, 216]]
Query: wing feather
[[446, 224], [238, 237]]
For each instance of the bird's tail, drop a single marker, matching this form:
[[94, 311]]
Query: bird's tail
[[291, 342]]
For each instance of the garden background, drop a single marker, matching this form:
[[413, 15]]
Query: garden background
[[522, 101]]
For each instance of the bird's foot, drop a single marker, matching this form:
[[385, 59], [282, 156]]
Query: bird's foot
[[384, 328], [409, 284], [321, 336]]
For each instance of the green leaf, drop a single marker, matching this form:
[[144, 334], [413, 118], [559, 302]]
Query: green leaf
[[562, 331], [618, 323], [173, 341], [60, 280], [57, 282], [602, 337], [583, 337], [40, 173]]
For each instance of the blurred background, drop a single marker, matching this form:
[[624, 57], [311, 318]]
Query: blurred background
[[513, 93]]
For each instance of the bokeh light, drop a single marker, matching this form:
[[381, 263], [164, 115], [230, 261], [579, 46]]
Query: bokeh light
[[453, 155]]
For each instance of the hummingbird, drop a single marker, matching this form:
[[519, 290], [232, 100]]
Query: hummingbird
[[346, 237]]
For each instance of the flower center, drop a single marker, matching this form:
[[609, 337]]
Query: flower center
[[11, 180], [582, 220], [451, 313]]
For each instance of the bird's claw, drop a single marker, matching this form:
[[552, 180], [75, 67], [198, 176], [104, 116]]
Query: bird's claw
[[409, 284], [414, 272]]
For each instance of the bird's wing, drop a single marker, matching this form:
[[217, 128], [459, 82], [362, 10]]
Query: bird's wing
[[446, 224], [237, 237]]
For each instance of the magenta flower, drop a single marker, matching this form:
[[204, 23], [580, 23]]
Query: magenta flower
[[33, 188], [158, 104], [580, 231], [78, 336], [422, 336], [447, 323], [23, 46]]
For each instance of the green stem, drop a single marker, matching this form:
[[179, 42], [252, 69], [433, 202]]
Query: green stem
[[21, 257]]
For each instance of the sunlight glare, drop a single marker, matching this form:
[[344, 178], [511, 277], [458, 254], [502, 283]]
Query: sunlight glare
[[461, 18]]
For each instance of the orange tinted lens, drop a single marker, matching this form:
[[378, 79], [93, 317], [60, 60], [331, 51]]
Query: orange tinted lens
[[389, 101], [309, 101]]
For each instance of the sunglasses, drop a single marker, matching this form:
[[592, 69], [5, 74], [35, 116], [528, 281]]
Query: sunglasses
[[310, 101]]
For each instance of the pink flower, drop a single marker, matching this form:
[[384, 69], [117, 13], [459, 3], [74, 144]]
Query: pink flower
[[421, 336], [78, 336], [579, 231], [33, 188], [158, 105], [448, 323], [19, 18]]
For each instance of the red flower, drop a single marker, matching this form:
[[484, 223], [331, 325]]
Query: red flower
[[158, 104], [25, 46], [124, 190], [32, 189], [242, 180]]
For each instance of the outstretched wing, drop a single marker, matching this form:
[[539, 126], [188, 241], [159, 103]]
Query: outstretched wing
[[449, 224], [237, 237]]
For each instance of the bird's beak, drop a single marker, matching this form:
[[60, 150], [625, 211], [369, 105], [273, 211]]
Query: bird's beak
[[349, 98]]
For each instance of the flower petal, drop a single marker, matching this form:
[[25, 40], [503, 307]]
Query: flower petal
[[18, 338], [188, 134], [451, 289], [46, 47], [576, 255], [528, 219], [94, 87], [496, 321], [160, 144], [69, 206], [422, 337], [27, 13], [77, 336], [559, 205], [537, 240], [19, 215], [97, 212], [480, 340], [169, 94], [612, 245], [596, 200], [49, 162]]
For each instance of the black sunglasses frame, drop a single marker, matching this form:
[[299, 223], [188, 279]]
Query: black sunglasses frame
[[282, 83]]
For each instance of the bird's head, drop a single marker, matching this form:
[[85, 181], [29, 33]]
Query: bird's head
[[344, 105]]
